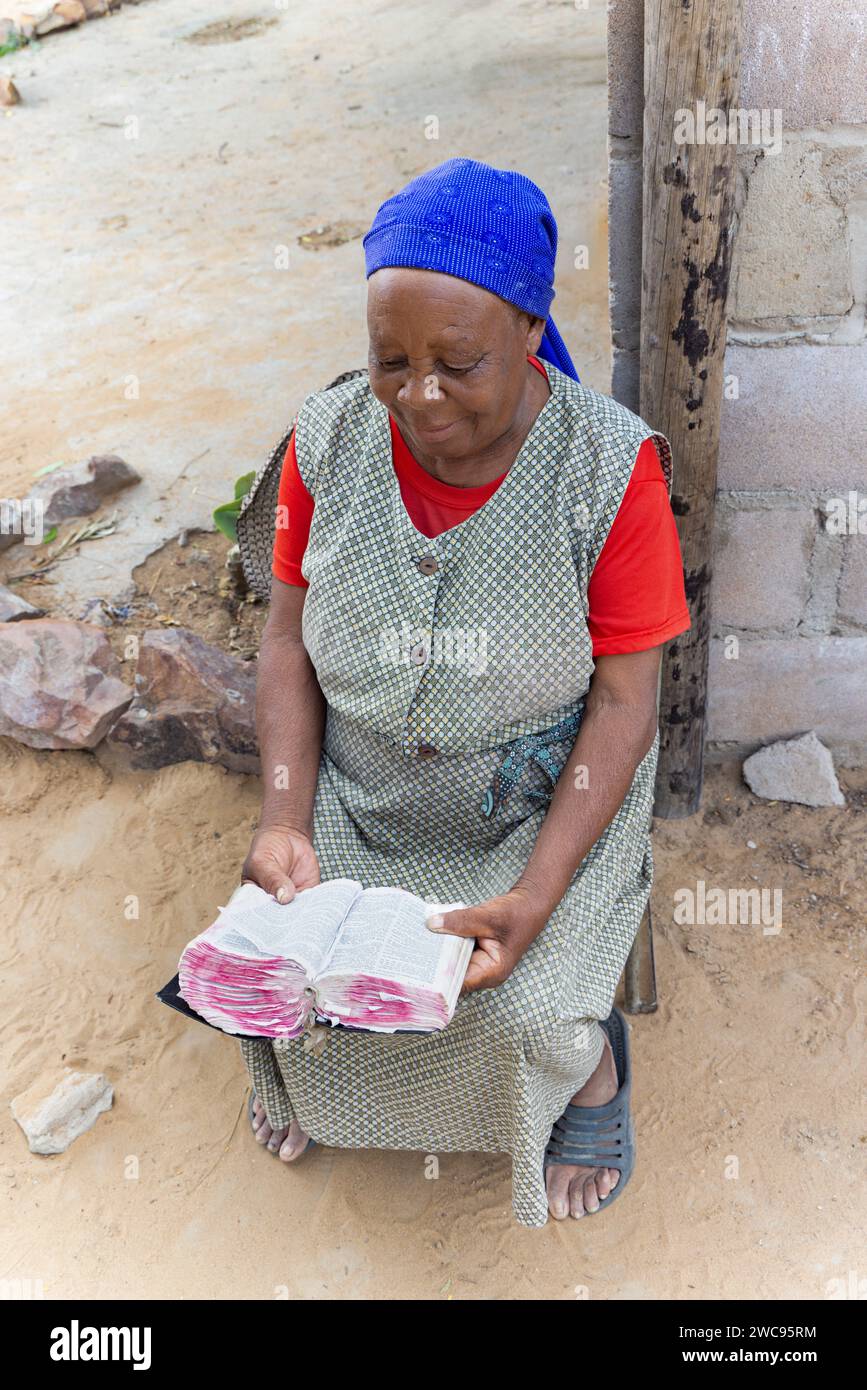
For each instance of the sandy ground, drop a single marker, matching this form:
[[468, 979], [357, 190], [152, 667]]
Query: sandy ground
[[755, 1054], [155, 258]]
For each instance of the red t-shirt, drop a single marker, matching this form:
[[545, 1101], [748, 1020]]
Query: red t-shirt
[[636, 595]]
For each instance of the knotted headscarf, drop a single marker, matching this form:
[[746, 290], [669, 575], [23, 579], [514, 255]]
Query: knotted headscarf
[[490, 226]]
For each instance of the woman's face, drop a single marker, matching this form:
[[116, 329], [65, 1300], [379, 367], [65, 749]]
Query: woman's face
[[448, 360]]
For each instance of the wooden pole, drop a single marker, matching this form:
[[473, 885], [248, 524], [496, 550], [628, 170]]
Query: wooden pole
[[691, 68]]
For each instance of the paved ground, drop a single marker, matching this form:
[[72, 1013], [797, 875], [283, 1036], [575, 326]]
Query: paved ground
[[160, 160]]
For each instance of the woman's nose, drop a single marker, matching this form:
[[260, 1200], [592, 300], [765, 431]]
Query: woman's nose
[[420, 389]]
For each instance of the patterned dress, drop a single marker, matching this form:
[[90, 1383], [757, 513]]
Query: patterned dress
[[455, 672]]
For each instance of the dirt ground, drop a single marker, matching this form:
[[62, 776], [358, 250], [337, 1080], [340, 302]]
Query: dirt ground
[[748, 1079]]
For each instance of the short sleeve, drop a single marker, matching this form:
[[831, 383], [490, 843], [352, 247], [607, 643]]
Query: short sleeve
[[636, 595], [294, 514]]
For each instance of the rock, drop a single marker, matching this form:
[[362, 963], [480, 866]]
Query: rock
[[63, 15], [44, 18], [53, 1118], [13, 607], [797, 769], [60, 683], [82, 488], [235, 568], [75, 491], [11, 522], [9, 93], [192, 702]]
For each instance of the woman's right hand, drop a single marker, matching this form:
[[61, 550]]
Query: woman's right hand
[[282, 861]]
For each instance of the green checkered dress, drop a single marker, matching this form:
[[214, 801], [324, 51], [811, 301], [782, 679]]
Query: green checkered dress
[[455, 671]]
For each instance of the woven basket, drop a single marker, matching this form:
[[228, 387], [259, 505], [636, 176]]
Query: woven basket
[[257, 519]]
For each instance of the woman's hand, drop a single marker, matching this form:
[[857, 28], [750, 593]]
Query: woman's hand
[[282, 861], [503, 927]]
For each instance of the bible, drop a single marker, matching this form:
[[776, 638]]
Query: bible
[[338, 954]]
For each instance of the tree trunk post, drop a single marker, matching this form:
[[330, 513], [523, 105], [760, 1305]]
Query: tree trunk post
[[691, 85]]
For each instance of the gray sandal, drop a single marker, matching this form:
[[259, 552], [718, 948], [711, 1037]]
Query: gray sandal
[[601, 1136], [311, 1143]]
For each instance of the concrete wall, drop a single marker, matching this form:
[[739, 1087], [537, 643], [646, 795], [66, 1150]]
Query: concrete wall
[[790, 587]]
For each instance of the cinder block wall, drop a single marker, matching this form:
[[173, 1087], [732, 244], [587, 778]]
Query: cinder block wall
[[790, 587]]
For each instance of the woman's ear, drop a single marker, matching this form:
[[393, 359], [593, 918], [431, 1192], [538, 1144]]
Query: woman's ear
[[534, 336]]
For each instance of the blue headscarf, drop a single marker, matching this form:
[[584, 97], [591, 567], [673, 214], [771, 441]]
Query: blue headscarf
[[490, 226]]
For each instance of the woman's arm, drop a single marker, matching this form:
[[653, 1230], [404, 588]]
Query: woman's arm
[[290, 718], [290, 714], [618, 729]]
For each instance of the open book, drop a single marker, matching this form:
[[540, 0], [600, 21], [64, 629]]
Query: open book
[[361, 957]]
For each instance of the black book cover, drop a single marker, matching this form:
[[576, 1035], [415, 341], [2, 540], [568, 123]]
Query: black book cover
[[170, 994]]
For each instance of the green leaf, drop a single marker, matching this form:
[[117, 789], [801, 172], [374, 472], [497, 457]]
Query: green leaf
[[226, 515], [49, 536], [49, 468], [226, 519]]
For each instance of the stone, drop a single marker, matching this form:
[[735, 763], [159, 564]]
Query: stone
[[75, 491], [797, 769], [63, 15], [13, 607], [9, 93], [60, 683], [235, 570], [799, 420], [193, 702], [81, 489], [53, 1117]]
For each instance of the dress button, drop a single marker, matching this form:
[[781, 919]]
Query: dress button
[[418, 654], [428, 564], [426, 750]]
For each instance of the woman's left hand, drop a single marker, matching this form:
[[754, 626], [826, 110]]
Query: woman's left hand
[[503, 927]]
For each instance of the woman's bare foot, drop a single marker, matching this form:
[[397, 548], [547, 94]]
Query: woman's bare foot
[[288, 1143], [573, 1191]]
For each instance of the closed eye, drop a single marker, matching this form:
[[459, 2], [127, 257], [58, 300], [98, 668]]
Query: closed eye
[[392, 366], [461, 371]]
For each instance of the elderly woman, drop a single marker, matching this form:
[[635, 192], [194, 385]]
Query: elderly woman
[[475, 568]]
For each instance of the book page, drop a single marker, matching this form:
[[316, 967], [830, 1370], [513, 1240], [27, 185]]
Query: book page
[[254, 924], [385, 935]]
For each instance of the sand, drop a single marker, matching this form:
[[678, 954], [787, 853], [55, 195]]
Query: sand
[[755, 1053], [154, 259]]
